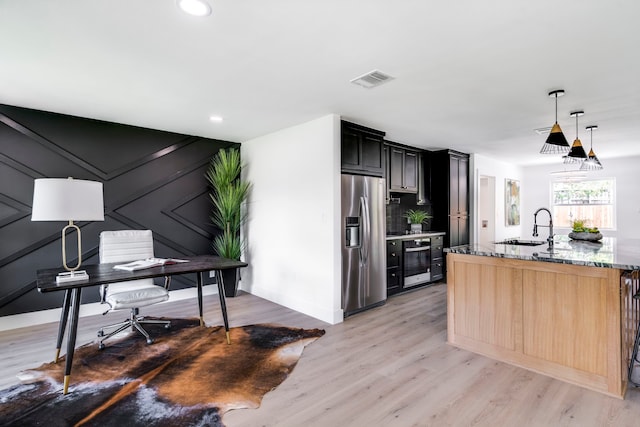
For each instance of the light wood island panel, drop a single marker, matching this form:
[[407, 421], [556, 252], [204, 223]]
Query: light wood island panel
[[557, 319]]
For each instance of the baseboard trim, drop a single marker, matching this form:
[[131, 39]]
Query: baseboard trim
[[24, 320]]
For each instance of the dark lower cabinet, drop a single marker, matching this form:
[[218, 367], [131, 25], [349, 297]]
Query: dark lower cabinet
[[458, 230], [394, 266], [437, 258], [396, 260]]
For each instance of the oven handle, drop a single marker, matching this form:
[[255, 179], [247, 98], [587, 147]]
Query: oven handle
[[420, 249]]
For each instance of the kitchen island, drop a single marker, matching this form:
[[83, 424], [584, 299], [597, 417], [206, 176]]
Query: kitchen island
[[566, 312]]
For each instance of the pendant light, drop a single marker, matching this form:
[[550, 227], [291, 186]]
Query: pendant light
[[592, 163], [577, 153], [556, 142]]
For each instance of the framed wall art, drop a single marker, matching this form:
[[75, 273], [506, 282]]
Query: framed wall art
[[512, 202]]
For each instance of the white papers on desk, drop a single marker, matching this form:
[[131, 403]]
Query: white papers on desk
[[148, 263]]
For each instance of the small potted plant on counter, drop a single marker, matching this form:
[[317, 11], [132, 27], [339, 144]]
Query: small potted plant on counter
[[416, 218], [580, 231]]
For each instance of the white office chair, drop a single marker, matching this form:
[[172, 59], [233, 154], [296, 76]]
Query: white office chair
[[124, 246]]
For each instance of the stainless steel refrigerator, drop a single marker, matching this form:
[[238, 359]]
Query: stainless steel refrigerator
[[364, 262]]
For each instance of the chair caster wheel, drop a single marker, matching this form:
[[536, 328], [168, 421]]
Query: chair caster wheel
[[100, 346], [149, 341]]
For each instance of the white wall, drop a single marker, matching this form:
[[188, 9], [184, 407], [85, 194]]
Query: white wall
[[627, 175], [484, 166], [486, 210], [294, 214]]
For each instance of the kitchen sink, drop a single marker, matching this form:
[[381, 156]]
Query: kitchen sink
[[521, 242]]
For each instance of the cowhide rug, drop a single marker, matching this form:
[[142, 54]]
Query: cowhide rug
[[188, 377]]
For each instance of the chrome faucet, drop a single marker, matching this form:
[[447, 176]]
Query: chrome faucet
[[535, 226]]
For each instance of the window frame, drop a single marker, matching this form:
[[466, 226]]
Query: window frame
[[613, 204]]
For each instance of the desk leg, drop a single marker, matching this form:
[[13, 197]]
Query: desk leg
[[71, 339], [200, 280], [223, 304], [63, 322]]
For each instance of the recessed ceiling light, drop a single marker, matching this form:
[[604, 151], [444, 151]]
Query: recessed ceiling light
[[194, 7], [215, 119]]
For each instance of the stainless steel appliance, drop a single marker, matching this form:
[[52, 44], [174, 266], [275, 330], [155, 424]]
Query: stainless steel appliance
[[416, 265], [364, 263]]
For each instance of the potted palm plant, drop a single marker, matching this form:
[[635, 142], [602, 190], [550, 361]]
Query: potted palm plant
[[416, 218], [228, 193]]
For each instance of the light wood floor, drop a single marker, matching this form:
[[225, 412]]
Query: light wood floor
[[389, 366]]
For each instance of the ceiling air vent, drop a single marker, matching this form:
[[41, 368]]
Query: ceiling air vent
[[543, 131], [372, 79]]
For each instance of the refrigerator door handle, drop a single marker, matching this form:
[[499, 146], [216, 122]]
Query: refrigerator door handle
[[366, 230], [362, 232]]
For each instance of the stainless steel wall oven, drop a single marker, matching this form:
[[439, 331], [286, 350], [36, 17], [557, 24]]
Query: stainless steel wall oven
[[416, 265]]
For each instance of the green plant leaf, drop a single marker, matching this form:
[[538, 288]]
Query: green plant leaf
[[228, 245], [224, 169], [417, 216], [228, 193]]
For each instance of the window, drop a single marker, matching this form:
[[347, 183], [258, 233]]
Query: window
[[591, 200]]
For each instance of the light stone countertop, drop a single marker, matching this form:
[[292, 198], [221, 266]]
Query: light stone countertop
[[610, 252]]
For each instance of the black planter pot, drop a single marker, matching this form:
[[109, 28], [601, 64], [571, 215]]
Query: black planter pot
[[230, 278]]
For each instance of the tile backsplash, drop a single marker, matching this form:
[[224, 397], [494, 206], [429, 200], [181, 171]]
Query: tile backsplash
[[400, 204]]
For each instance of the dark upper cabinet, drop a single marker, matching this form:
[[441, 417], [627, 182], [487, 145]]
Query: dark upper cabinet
[[361, 150], [424, 181], [396, 171], [450, 195], [458, 185], [385, 154], [403, 170]]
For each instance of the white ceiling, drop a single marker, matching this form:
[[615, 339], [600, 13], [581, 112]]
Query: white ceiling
[[470, 75]]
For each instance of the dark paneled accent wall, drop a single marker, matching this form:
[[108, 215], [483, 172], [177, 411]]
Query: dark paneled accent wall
[[152, 180]]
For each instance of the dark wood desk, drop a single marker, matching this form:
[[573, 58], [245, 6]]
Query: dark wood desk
[[101, 274]]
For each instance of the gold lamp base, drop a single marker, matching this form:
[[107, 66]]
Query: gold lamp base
[[72, 274]]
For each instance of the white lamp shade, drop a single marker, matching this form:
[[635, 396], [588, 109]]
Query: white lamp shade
[[67, 199]]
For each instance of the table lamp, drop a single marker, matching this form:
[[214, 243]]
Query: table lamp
[[68, 199]]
